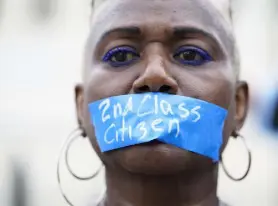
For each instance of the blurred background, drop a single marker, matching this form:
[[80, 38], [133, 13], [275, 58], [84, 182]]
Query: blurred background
[[41, 48]]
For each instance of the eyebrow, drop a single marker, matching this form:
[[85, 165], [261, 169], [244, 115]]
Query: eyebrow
[[131, 31], [183, 31], [179, 31]]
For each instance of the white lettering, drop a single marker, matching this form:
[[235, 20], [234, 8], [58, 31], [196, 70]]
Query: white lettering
[[118, 110], [194, 111], [139, 114], [106, 132], [123, 129], [183, 109], [166, 107], [156, 104], [142, 128], [106, 105], [128, 107], [171, 123], [154, 125], [130, 132]]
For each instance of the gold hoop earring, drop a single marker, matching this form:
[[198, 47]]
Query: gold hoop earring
[[77, 133], [236, 135]]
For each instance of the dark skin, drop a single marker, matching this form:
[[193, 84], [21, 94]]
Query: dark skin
[[160, 174]]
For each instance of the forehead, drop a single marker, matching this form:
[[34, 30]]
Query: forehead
[[221, 5], [203, 14]]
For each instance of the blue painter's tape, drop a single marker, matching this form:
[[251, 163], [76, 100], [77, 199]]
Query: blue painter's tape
[[184, 122]]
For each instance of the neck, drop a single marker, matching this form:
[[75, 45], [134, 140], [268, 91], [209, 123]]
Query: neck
[[126, 189]]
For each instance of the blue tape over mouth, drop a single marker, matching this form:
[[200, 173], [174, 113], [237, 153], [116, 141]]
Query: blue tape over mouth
[[190, 124]]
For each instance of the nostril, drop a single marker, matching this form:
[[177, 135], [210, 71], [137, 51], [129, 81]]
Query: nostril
[[165, 89], [143, 89]]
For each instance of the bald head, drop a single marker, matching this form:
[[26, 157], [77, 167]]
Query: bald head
[[223, 6], [222, 17]]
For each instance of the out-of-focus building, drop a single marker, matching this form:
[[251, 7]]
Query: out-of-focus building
[[41, 47]]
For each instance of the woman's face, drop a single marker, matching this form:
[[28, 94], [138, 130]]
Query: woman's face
[[181, 47]]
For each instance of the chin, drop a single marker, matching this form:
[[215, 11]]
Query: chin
[[160, 159]]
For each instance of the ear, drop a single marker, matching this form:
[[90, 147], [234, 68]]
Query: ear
[[79, 103], [242, 104]]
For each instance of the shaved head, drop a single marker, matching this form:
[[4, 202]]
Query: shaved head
[[224, 11], [224, 7]]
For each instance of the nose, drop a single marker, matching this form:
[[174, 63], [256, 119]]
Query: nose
[[155, 78]]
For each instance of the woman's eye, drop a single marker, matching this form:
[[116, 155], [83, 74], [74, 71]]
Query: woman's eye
[[192, 56], [121, 56]]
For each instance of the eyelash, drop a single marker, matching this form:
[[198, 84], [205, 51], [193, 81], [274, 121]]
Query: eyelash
[[127, 50], [205, 57]]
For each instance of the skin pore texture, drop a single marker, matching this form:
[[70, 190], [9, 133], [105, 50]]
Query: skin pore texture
[[160, 174]]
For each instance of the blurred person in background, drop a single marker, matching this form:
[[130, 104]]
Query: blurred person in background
[[275, 116], [273, 107], [265, 103], [179, 47]]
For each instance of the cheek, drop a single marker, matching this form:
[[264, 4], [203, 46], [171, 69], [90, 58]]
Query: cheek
[[102, 83], [214, 87], [89, 129], [216, 90], [229, 126]]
